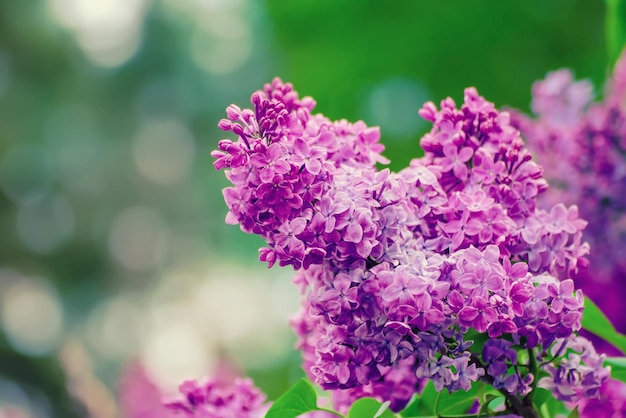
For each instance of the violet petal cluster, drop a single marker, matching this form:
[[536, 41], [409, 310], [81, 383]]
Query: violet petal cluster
[[217, 400], [582, 146], [569, 379], [400, 272], [610, 404], [282, 169]]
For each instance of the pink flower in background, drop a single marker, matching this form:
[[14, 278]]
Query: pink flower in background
[[140, 397], [214, 399], [225, 395]]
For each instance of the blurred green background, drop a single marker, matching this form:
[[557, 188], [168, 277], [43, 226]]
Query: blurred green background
[[113, 249]]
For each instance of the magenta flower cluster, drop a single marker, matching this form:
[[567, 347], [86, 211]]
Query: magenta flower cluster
[[402, 272], [215, 399], [582, 145], [610, 404]]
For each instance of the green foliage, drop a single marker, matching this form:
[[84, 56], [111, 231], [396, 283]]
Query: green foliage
[[370, 408], [615, 29], [597, 323], [618, 367], [426, 404], [458, 402], [444, 403], [547, 405], [411, 409], [490, 402], [299, 399], [479, 338]]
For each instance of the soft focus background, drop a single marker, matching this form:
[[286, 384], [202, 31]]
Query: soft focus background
[[113, 250]]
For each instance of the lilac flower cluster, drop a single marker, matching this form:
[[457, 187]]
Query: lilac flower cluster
[[579, 364], [400, 272], [217, 400], [610, 404], [282, 168], [583, 148]]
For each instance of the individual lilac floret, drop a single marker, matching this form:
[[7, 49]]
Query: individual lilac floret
[[400, 272], [217, 400], [582, 145]]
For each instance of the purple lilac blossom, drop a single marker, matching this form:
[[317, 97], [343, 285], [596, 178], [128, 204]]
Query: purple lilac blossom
[[610, 404], [569, 379], [582, 146], [213, 399], [223, 396], [400, 271]]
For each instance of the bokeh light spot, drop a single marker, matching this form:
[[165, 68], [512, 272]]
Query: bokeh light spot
[[164, 151], [32, 316], [393, 105], [138, 238], [26, 173], [109, 31], [14, 402], [115, 327], [76, 148], [246, 315], [175, 350], [221, 55], [45, 224]]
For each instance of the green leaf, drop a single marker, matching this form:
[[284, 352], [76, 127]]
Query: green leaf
[[458, 402], [300, 398], [486, 407], [449, 403], [615, 29], [479, 340], [618, 367], [540, 397], [486, 393], [549, 407], [370, 408], [574, 413], [426, 405], [411, 409], [595, 322]]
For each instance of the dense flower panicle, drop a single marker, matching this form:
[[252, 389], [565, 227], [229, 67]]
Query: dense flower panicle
[[582, 145], [399, 272], [217, 400], [296, 178]]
